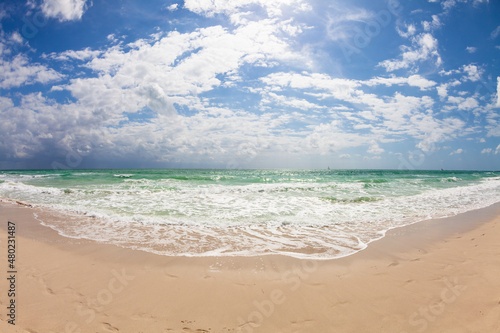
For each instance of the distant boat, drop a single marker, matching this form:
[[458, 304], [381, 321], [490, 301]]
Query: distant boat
[[328, 168]]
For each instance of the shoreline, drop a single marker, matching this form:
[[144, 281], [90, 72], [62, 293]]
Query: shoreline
[[460, 222], [302, 214], [71, 285]]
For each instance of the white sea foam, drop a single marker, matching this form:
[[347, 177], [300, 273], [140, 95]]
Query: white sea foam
[[325, 220]]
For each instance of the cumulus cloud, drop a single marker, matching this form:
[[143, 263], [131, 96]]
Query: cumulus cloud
[[229, 7], [424, 48], [174, 68], [41, 127], [173, 7], [159, 98], [431, 25], [463, 103], [341, 89], [148, 77], [471, 49], [412, 80], [16, 37], [390, 117], [82, 55], [292, 102], [456, 152], [473, 72], [64, 10], [19, 71], [375, 149], [448, 4], [486, 151], [327, 138], [410, 31]]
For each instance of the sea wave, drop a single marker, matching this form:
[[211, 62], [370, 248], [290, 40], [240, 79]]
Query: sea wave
[[318, 218]]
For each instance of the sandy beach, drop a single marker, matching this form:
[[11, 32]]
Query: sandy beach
[[433, 276]]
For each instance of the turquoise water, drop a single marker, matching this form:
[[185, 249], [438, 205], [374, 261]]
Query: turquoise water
[[302, 213]]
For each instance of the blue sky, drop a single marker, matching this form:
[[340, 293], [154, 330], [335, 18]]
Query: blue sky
[[250, 84]]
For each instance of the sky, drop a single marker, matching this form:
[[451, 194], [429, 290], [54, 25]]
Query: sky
[[250, 84]]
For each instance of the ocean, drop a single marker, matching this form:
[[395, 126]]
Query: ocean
[[318, 214]]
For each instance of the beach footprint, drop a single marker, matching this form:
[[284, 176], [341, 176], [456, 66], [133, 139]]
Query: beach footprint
[[109, 328], [143, 316]]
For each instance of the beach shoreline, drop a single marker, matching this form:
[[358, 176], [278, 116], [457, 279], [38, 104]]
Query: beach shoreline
[[431, 276]]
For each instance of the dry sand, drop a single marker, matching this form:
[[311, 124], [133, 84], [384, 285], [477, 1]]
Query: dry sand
[[435, 276]]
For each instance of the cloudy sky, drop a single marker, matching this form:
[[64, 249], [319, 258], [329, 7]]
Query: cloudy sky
[[250, 83]]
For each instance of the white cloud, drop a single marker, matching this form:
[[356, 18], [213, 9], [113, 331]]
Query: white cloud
[[19, 72], [375, 149], [177, 65], [3, 14], [229, 7], [486, 151], [493, 125], [370, 158], [342, 89], [448, 4], [498, 92], [64, 10], [152, 75], [413, 80], [420, 82], [430, 25], [464, 103], [450, 72], [456, 152], [442, 90], [173, 7], [39, 126], [327, 138], [494, 34], [473, 72], [387, 117], [410, 31], [342, 22], [16, 37], [497, 150], [293, 102], [82, 55], [471, 49], [424, 48]]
